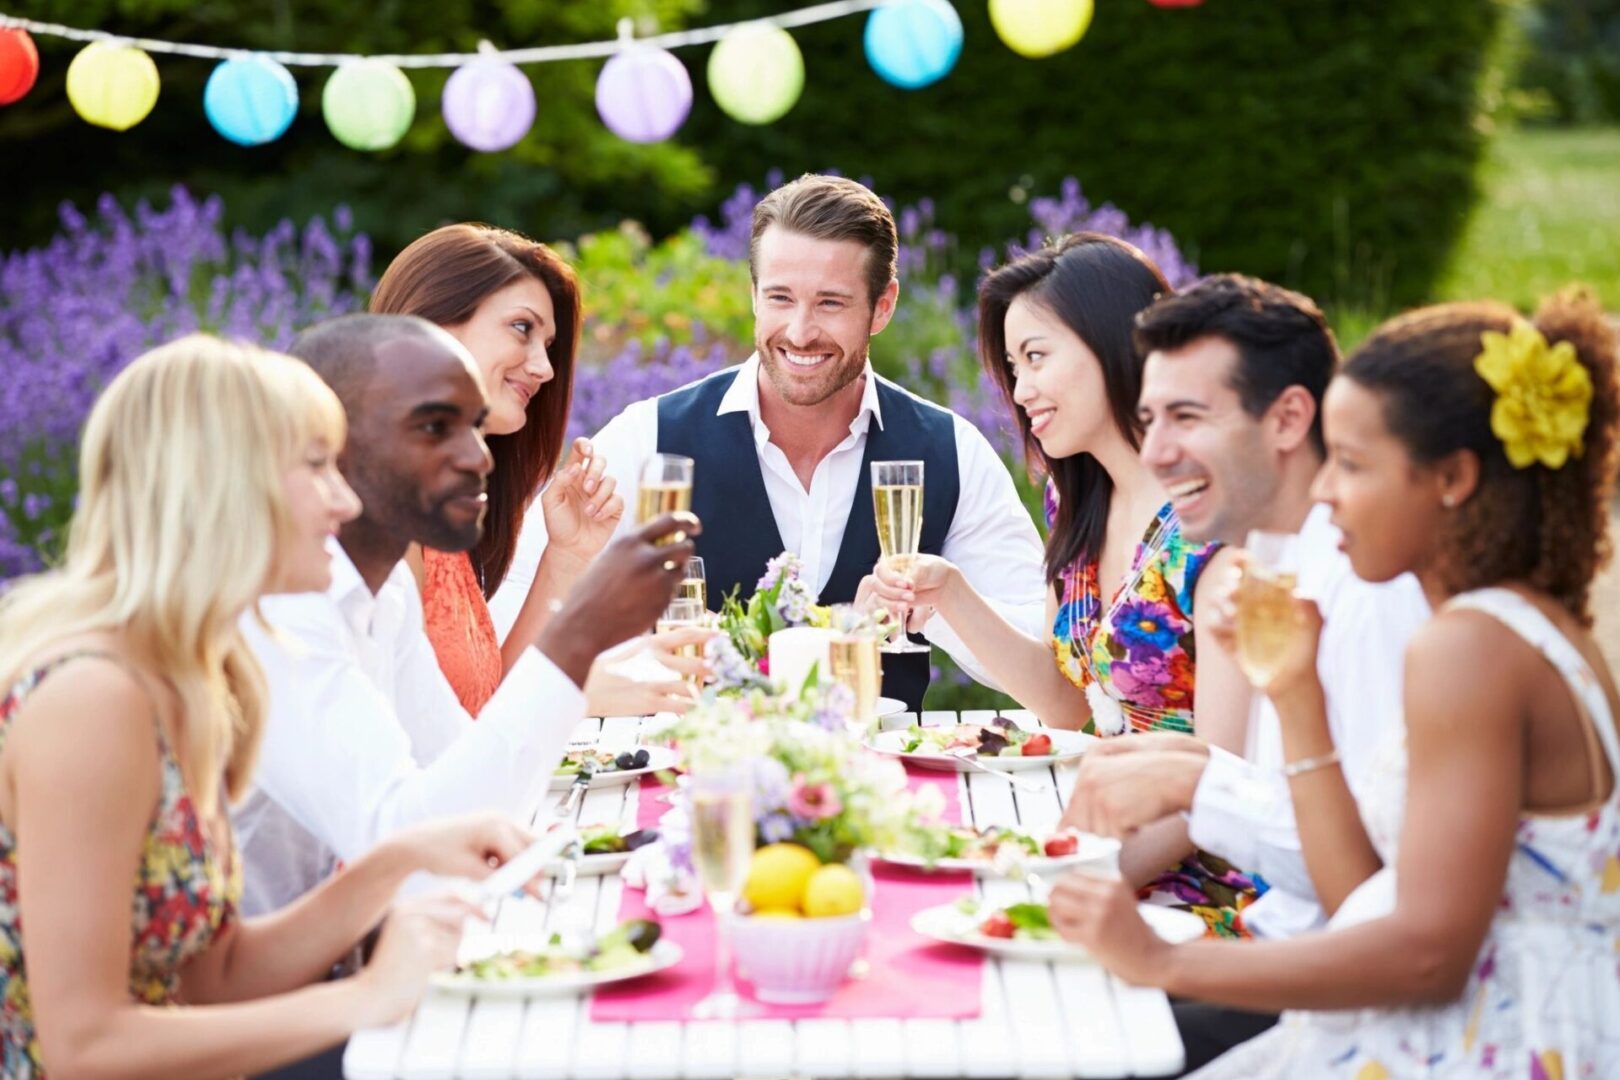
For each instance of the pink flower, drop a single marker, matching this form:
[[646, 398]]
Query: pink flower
[[765, 665], [813, 802]]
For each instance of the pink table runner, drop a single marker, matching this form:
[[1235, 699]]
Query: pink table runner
[[910, 977]]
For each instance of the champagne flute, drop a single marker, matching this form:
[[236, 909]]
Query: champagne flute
[[682, 613], [722, 847], [694, 586], [666, 487], [1265, 603], [853, 660], [897, 503]]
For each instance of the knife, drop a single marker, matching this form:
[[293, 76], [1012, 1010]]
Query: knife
[[523, 867]]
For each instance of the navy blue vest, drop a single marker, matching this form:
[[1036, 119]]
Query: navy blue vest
[[739, 530]]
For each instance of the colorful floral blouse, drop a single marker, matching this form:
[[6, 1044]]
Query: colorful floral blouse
[[1139, 648], [1135, 659], [184, 896]]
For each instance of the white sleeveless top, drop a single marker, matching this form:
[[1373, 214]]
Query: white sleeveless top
[[1543, 1001]]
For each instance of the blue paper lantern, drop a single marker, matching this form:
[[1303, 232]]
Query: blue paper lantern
[[251, 100], [912, 43]]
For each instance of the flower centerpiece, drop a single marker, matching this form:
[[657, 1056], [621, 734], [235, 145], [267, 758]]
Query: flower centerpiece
[[819, 800], [740, 656]]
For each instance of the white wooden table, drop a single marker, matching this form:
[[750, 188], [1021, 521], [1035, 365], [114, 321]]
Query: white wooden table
[[1038, 1019]]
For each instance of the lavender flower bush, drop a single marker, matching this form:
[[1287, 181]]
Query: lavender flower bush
[[107, 288], [74, 312]]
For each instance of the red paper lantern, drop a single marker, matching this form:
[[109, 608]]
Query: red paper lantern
[[19, 65]]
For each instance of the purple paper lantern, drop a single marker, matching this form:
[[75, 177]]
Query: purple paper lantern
[[643, 94], [488, 105]]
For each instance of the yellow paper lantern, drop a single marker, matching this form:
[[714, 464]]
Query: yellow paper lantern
[[112, 86], [756, 73], [1037, 28]]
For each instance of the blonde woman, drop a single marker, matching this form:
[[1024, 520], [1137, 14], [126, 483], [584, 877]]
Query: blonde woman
[[129, 714]]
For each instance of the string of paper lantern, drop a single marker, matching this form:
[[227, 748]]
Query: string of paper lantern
[[755, 74]]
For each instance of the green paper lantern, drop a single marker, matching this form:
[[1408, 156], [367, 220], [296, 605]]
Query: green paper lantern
[[1038, 28], [368, 104], [112, 86], [756, 73]]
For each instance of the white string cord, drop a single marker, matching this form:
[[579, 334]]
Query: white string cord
[[539, 55]]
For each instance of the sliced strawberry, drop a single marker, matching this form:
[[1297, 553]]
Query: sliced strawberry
[[1036, 746], [997, 925], [1062, 844]]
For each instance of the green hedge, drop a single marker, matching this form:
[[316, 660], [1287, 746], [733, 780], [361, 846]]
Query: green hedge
[[1324, 143], [1573, 59]]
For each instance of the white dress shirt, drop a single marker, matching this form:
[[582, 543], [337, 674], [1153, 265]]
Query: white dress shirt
[[991, 538], [1242, 810], [365, 736]]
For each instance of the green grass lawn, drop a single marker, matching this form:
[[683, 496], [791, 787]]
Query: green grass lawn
[[1550, 215]]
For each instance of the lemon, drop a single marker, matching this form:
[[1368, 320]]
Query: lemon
[[777, 877], [835, 889], [777, 913]]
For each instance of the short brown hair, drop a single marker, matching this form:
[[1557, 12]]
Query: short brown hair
[[443, 277], [832, 208], [1545, 527]]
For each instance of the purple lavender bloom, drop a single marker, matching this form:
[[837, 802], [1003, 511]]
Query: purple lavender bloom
[[104, 290]]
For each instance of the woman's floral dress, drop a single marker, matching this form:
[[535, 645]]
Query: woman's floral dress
[[1543, 999], [1136, 661], [184, 896]]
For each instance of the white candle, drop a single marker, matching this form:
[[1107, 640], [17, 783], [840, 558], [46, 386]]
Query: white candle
[[795, 651]]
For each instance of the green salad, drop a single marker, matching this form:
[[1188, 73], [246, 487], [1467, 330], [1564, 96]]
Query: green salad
[[626, 945]]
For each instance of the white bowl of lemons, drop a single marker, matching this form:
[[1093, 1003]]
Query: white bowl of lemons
[[800, 926]]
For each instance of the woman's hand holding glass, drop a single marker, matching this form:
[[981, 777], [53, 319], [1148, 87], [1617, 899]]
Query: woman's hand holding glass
[[1272, 633], [913, 590], [580, 505]]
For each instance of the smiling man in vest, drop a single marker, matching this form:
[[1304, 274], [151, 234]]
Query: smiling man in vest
[[783, 443]]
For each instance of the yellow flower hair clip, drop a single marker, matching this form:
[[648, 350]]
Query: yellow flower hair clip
[[1543, 395]]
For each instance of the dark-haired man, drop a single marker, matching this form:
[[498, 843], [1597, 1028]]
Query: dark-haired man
[[365, 735], [1231, 399], [784, 442]]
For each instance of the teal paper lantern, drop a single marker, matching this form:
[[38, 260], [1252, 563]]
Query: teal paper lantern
[[912, 43], [251, 100], [368, 104]]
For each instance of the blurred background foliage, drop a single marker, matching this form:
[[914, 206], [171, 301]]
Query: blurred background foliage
[[1376, 155]]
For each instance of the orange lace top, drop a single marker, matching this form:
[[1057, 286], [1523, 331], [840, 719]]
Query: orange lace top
[[459, 626]]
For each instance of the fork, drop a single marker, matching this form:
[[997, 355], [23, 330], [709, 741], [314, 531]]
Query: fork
[[968, 755]]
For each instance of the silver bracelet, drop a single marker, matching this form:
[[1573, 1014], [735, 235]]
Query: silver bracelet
[[1310, 764]]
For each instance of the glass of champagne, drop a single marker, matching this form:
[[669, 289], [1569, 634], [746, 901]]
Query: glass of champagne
[[853, 660], [684, 613], [694, 586], [1265, 603], [722, 847], [666, 487], [897, 503]]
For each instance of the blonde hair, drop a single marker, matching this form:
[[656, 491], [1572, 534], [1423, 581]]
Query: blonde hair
[[180, 522]]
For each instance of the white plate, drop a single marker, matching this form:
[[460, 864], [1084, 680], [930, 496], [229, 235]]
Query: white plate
[[888, 706], [658, 757], [1097, 850], [1066, 746], [664, 954], [598, 865], [950, 924]]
